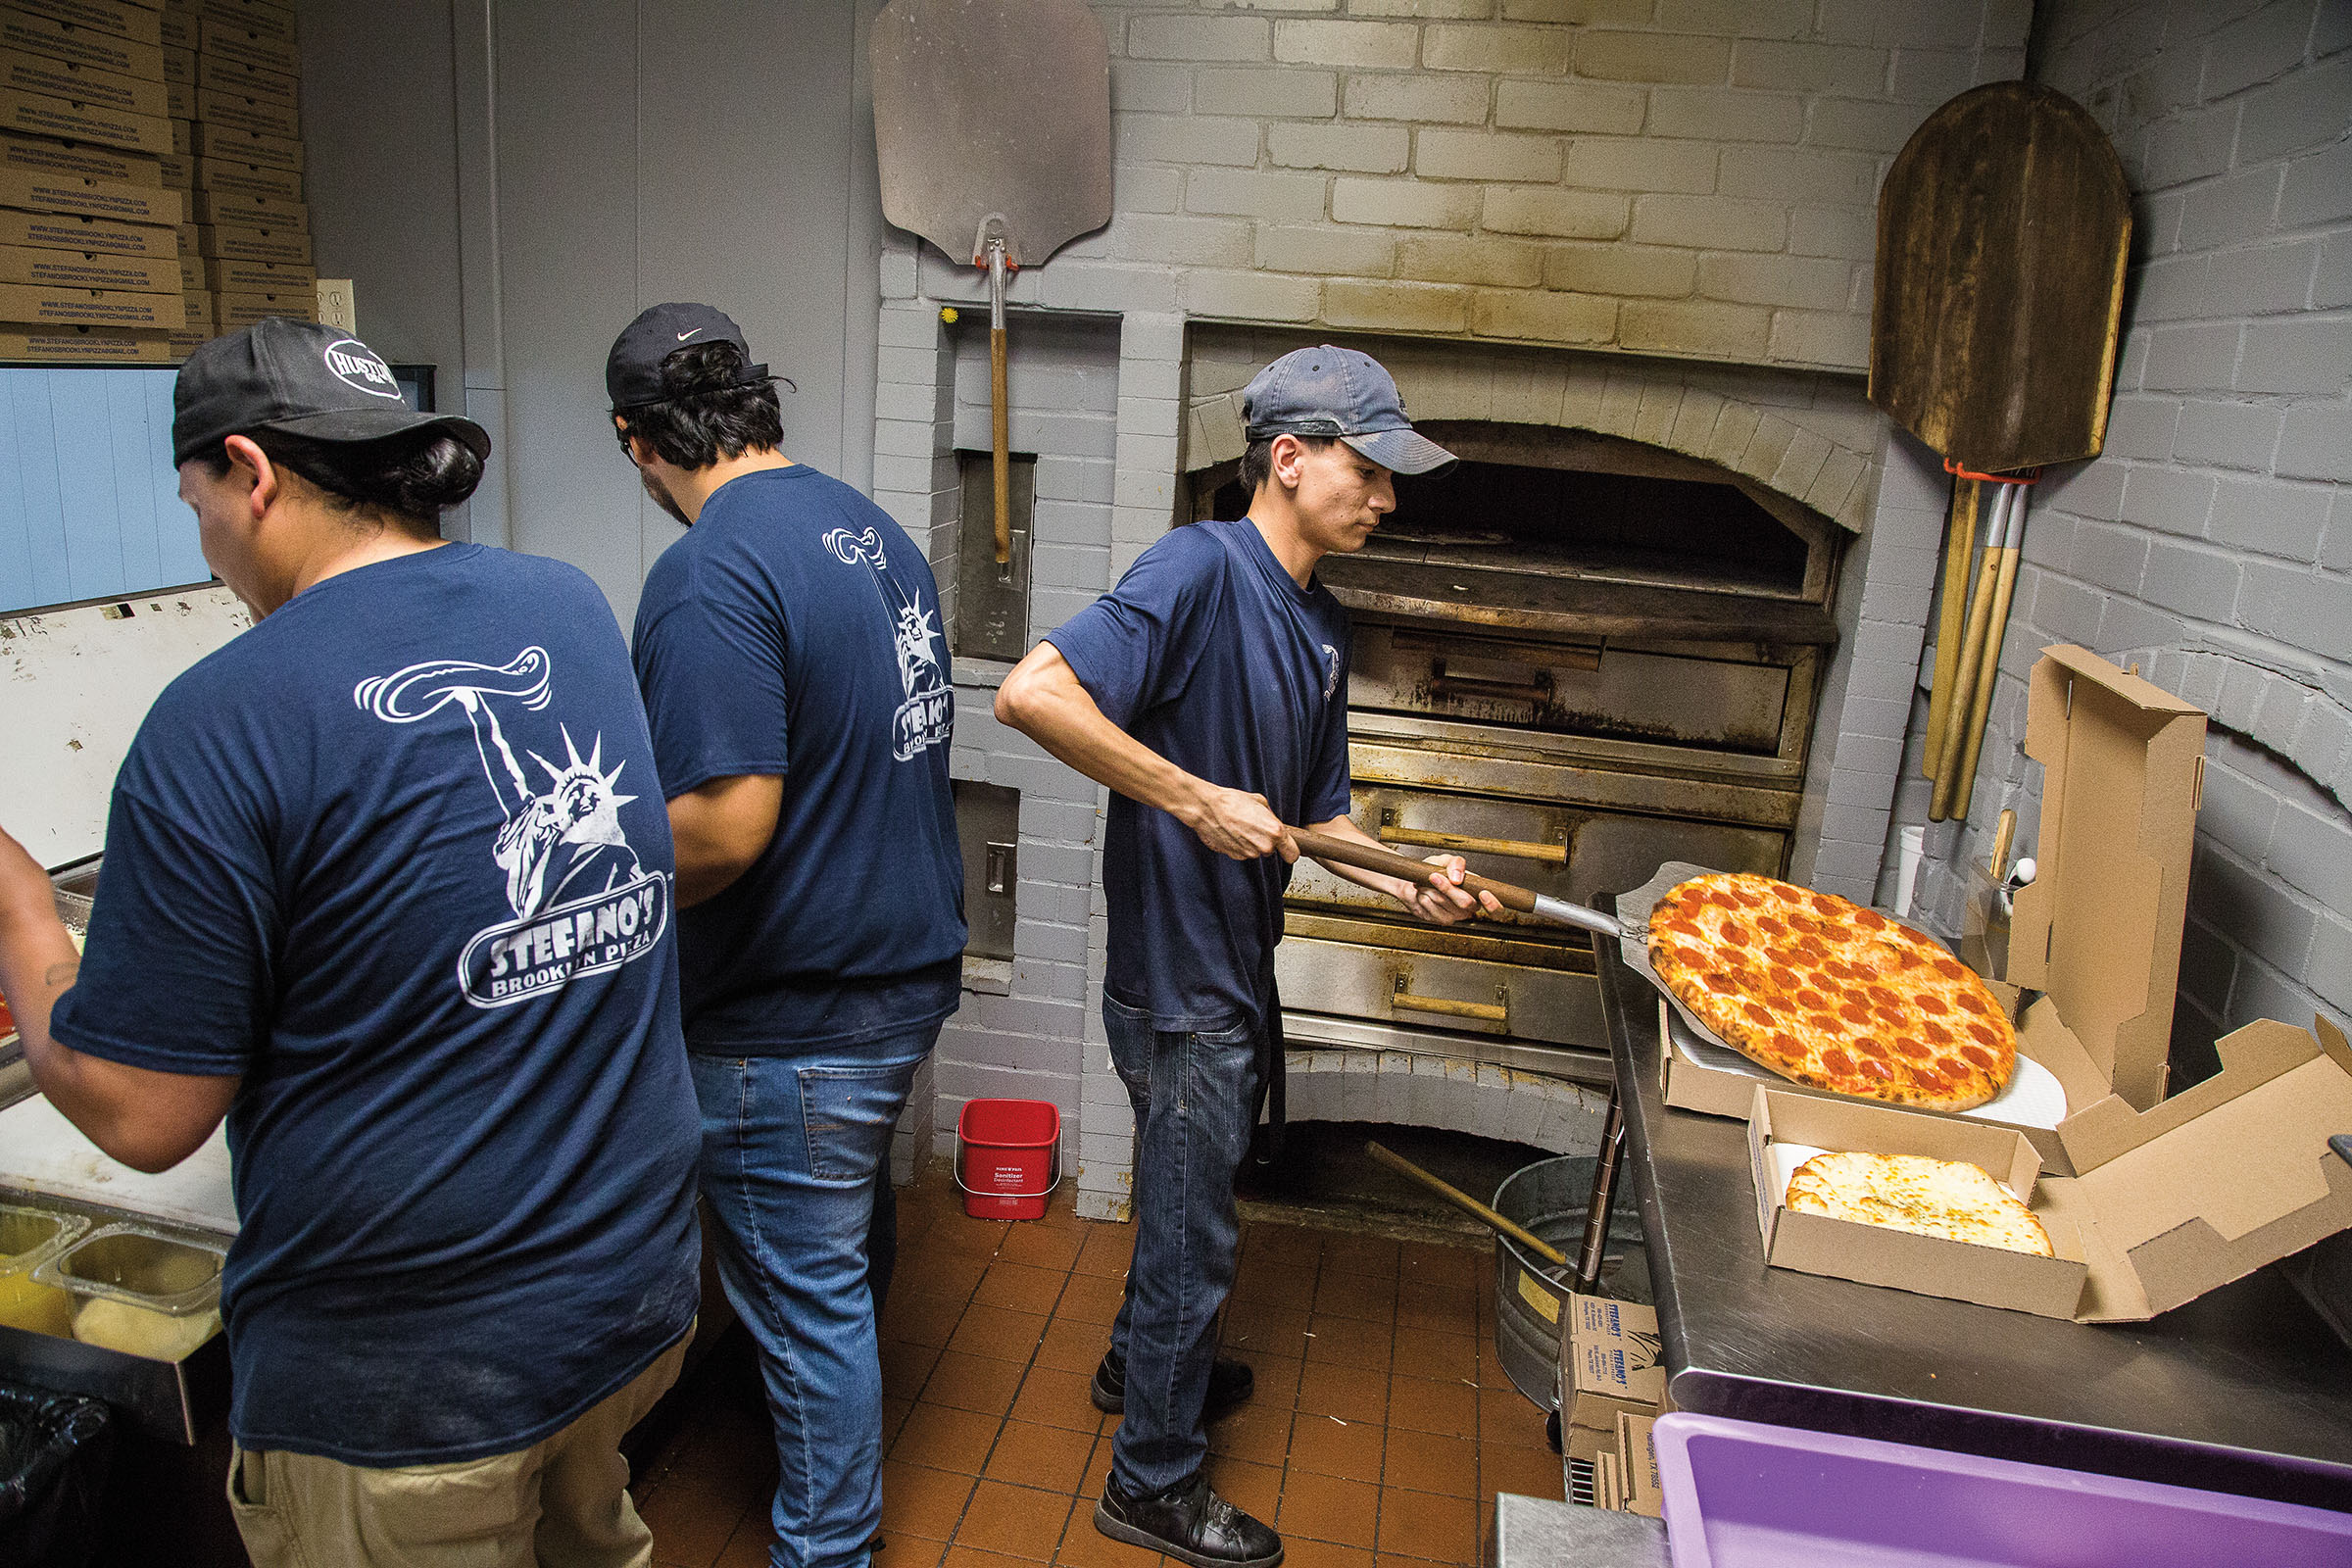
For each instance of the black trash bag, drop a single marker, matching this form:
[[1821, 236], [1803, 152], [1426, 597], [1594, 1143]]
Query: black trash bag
[[54, 1452]]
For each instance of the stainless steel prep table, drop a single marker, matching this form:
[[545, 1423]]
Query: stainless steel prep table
[[2243, 1390]]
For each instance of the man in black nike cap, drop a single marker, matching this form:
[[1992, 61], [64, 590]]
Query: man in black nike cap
[[387, 886]]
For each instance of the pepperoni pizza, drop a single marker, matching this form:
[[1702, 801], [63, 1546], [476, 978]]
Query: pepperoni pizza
[[1830, 994]]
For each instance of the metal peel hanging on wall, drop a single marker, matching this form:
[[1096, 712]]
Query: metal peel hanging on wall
[[992, 125]]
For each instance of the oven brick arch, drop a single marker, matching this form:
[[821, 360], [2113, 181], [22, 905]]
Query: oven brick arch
[[1822, 458]]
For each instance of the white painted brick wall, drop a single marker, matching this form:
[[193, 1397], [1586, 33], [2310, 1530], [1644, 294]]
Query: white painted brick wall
[[2211, 543], [1742, 142]]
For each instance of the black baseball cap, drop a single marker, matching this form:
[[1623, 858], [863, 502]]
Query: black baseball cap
[[1328, 390], [633, 370], [302, 377]]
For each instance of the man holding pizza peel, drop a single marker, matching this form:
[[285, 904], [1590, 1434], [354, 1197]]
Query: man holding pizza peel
[[1208, 691]]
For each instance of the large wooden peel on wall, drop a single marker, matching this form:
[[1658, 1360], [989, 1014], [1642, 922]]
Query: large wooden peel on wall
[[991, 126], [2005, 227]]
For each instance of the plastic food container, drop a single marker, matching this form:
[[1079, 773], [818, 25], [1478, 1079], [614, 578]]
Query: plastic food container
[[29, 1238], [1744, 1495], [142, 1291]]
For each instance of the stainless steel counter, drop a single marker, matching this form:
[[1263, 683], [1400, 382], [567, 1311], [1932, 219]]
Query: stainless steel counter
[[2244, 1389], [1542, 1533]]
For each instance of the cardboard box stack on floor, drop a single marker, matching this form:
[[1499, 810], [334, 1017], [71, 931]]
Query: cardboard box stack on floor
[[234, 68], [90, 266], [1610, 1366]]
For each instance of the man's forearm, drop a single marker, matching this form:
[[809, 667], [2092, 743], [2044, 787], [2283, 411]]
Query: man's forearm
[[1066, 721]]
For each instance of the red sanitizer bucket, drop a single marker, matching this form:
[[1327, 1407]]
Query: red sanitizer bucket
[[1007, 1157]]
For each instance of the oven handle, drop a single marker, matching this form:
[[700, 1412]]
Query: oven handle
[[1466, 843], [1441, 684], [1495, 1012]]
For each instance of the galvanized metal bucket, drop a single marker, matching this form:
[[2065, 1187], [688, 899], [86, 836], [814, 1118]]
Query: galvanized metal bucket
[[1550, 1199]]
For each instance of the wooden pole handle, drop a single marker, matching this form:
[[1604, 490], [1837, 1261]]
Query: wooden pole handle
[[1470, 1206], [1364, 858], [1988, 668], [1958, 546], [1955, 713], [1000, 410]]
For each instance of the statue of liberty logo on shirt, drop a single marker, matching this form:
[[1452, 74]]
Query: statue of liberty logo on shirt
[[581, 899], [928, 717]]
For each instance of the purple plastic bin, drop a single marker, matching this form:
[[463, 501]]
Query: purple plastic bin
[[1739, 1494]]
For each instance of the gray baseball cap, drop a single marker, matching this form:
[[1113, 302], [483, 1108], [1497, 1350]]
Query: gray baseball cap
[[1329, 390]]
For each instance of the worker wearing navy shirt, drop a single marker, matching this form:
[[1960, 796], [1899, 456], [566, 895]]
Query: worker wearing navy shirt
[[387, 883], [1210, 691], [794, 668]]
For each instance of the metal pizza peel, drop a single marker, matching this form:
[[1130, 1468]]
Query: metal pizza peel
[[991, 125]]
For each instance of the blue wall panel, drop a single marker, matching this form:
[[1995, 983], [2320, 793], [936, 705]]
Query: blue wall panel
[[90, 504]]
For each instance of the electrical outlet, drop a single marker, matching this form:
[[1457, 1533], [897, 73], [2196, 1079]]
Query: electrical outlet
[[337, 305]]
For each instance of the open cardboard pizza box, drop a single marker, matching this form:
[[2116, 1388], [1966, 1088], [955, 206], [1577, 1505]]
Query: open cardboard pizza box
[[2212, 1184], [2099, 930]]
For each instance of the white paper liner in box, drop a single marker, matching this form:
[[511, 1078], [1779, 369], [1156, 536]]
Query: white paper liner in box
[[2033, 1096]]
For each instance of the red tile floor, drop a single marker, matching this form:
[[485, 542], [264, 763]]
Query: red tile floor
[[1380, 1431]]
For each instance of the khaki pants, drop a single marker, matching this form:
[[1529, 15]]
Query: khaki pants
[[563, 1502]]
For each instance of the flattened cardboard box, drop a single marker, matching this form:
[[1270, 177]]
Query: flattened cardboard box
[[191, 271], [245, 147], [243, 309], [139, 23], [179, 172], [41, 155], [25, 304], [1610, 1351], [1637, 1458], [184, 137], [229, 178], [188, 340], [246, 209], [247, 45], [2228, 1175], [256, 278], [200, 313], [66, 231], [1608, 1481], [112, 200], [179, 29], [80, 46], [179, 61], [88, 345], [228, 242], [263, 116], [260, 16], [216, 75], [75, 269], [81, 84], [39, 115]]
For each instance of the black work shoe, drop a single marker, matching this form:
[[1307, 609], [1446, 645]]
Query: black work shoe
[[1191, 1523], [1229, 1384]]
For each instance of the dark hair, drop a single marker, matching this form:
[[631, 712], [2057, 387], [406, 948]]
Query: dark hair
[[411, 476], [704, 416], [1257, 463]]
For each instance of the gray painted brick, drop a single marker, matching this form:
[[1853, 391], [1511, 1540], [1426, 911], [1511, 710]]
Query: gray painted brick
[[2329, 968], [2316, 443], [2229, 211], [2110, 557], [2312, 854], [2237, 813], [2271, 518], [2187, 147], [2188, 359], [2321, 746], [2226, 435], [2208, 961], [2257, 48], [2303, 355], [2141, 426], [2319, 189], [2191, 579], [2170, 500], [2283, 707], [2241, 697], [2309, 610], [2331, 287], [2127, 623]]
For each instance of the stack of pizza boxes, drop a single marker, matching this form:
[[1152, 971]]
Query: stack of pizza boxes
[[89, 232], [1610, 1367], [240, 160], [2150, 1198]]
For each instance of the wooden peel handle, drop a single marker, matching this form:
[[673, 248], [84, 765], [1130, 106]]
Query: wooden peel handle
[[1364, 858], [1000, 441]]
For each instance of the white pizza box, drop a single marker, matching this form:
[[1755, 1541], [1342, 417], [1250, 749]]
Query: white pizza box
[[2099, 927], [2225, 1177]]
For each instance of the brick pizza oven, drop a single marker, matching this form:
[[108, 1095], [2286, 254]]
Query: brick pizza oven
[[1618, 251]]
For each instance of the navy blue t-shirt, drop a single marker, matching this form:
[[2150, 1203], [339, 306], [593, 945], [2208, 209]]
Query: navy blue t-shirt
[[794, 632], [1210, 654], [397, 856]]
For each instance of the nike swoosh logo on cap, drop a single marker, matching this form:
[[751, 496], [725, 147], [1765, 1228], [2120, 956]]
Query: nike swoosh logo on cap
[[683, 336]]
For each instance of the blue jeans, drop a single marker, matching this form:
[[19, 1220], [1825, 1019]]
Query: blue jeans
[[793, 1150], [1196, 1097]]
